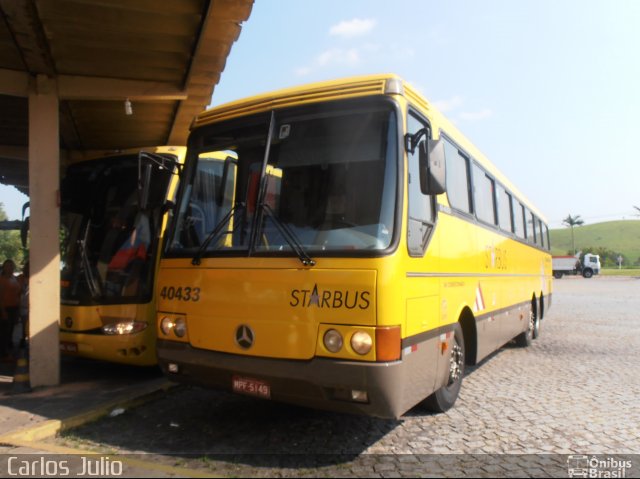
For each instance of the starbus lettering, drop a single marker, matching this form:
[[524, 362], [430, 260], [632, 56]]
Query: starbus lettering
[[329, 298]]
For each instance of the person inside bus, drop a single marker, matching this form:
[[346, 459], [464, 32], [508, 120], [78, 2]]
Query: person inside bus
[[130, 258], [127, 236]]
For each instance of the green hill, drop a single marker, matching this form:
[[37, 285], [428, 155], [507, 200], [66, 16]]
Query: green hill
[[621, 237]]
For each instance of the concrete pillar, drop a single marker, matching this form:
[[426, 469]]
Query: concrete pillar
[[44, 246]]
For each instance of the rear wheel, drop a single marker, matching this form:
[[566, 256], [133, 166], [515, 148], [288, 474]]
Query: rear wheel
[[536, 322], [445, 397], [524, 339], [557, 274]]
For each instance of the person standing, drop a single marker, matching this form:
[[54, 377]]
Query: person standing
[[21, 331], [11, 289]]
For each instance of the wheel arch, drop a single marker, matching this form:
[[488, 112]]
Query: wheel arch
[[470, 332]]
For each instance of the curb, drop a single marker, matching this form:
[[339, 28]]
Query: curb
[[52, 427]]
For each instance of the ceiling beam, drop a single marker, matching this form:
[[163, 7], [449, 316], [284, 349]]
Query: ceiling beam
[[23, 22], [71, 87], [14, 152], [96, 88]]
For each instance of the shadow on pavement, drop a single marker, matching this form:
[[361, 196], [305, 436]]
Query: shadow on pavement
[[84, 384], [204, 425]]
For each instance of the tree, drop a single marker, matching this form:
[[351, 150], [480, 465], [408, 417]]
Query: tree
[[10, 244], [572, 221]]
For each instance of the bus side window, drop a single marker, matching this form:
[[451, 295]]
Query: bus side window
[[519, 221], [421, 206], [484, 195], [458, 178], [546, 231], [505, 210]]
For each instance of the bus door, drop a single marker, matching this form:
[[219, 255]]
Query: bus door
[[423, 292]]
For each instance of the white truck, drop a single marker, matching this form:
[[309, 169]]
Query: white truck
[[571, 265]]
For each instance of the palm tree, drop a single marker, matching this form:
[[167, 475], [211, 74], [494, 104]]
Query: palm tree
[[572, 221]]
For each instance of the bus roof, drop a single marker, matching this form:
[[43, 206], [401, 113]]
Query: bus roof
[[355, 87]]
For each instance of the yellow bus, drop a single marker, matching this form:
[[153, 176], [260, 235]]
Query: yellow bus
[[385, 255], [113, 214]]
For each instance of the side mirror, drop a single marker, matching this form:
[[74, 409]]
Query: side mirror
[[24, 227], [146, 163], [432, 167]]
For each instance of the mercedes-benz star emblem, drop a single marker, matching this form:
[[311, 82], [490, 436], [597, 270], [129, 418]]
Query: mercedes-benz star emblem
[[244, 336]]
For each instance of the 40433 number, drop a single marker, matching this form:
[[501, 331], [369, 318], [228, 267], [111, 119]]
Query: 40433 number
[[180, 293]]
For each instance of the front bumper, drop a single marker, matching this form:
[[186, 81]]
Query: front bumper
[[319, 383]]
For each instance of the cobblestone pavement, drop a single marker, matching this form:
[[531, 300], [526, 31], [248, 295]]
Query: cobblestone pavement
[[575, 391]]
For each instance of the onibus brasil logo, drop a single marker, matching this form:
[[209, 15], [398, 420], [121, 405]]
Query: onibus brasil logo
[[594, 466]]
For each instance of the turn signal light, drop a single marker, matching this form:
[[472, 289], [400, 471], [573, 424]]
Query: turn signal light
[[388, 343]]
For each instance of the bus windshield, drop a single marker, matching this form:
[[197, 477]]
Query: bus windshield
[[107, 241], [321, 177]]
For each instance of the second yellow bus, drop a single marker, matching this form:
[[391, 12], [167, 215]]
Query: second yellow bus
[[113, 212]]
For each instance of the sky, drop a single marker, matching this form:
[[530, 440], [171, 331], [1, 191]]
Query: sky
[[548, 90]]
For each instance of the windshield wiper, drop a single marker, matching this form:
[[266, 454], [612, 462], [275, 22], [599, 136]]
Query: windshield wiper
[[289, 236], [215, 232]]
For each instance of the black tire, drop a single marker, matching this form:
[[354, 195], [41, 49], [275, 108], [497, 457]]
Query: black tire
[[535, 334], [587, 273], [444, 398], [557, 274], [525, 338]]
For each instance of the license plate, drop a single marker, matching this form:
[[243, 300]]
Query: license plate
[[68, 347], [252, 387]]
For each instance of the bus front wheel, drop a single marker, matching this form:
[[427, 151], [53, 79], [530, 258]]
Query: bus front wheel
[[445, 397]]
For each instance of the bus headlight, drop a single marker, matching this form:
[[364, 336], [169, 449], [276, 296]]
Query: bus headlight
[[180, 327], [333, 341], [124, 327], [176, 324], [361, 342], [167, 324]]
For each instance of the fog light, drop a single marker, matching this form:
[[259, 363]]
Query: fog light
[[173, 368], [359, 396], [180, 328], [166, 325], [333, 341], [361, 342]]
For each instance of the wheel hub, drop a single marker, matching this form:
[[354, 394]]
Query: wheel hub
[[456, 363]]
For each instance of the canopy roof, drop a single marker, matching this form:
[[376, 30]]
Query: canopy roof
[[165, 57]]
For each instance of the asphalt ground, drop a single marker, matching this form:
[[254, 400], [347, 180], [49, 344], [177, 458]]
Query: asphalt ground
[[570, 400]]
